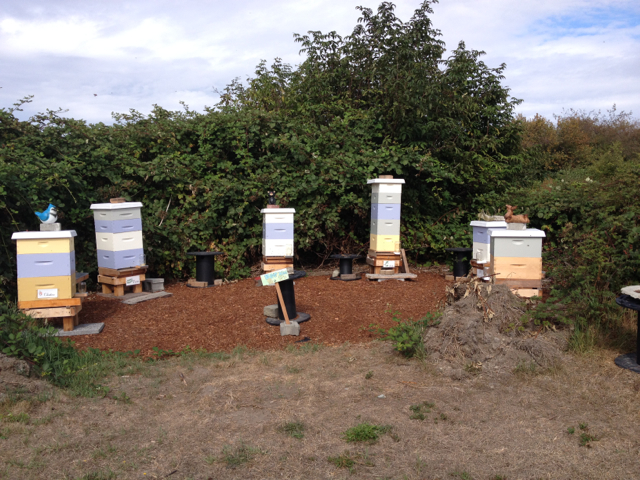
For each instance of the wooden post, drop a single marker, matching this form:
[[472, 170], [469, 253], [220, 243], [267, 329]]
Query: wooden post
[[284, 307]]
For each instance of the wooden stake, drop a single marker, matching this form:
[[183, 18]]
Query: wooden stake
[[405, 264], [284, 307]]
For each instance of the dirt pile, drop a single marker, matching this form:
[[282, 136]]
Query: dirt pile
[[16, 376], [482, 329]]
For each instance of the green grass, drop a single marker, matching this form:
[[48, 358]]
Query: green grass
[[303, 348], [418, 412], [99, 475], [365, 432], [293, 429], [462, 475], [343, 461], [368, 375], [235, 456]]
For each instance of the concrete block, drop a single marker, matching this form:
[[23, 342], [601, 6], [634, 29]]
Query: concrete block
[[271, 311], [153, 285], [292, 329], [50, 227], [82, 329]]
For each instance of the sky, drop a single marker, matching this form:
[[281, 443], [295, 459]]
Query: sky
[[93, 58]]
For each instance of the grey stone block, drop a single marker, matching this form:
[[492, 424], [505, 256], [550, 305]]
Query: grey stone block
[[144, 298], [292, 329], [50, 227], [271, 311], [153, 285], [82, 329]]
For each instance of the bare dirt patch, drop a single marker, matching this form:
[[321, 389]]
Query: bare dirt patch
[[221, 318], [198, 418]]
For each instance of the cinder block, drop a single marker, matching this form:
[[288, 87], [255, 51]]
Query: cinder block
[[271, 311], [292, 328], [50, 227], [153, 285]]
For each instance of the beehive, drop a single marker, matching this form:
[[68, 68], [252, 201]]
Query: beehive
[[482, 239], [516, 257], [46, 265], [386, 196], [277, 234], [118, 234]]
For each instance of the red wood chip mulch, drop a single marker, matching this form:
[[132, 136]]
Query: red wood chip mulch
[[221, 318]]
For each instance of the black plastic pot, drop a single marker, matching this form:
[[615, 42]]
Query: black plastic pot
[[205, 266], [461, 265], [346, 265]]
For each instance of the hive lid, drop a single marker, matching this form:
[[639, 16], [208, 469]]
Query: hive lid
[[385, 180], [41, 235], [481, 223], [528, 233], [278, 210], [115, 206]]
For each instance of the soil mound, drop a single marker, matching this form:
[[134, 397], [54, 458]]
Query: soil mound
[[482, 330], [16, 376]]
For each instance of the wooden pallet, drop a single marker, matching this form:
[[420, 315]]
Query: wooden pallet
[[116, 285]]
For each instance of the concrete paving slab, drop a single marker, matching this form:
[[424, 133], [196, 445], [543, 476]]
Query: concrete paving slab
[[82, 329], [144, 298]]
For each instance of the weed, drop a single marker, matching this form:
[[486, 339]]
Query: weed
[[293, 370], [419, 411], [586, 439], [526, 368], [365, 432], [462, 475], [123, 397], [571, 430], [99, 475], [368, 375], [474, 368], [17, 418], [239, 455], [583, 426], [407, 336], [304, 348], [104, 453], [293, 429], [343, 461], [498, 477], [210, 459]]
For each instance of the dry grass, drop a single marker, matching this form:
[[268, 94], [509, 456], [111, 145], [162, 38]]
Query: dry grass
[[225, 420]]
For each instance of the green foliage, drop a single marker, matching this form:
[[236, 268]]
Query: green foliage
[[591, 216], [407, 336], [384, 100], [293, 429], [419, 411], [365, 432], [235, 456], [344, 460]]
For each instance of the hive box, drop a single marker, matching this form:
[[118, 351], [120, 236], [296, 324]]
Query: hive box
[[277, 232], [386, 196], [516, 257], [118, 234], [482, 239], [46, 264]]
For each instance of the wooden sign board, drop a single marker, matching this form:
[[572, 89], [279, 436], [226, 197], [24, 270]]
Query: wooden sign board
[[274, 277]]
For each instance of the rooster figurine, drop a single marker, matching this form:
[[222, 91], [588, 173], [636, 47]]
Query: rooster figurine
[[50, 215]]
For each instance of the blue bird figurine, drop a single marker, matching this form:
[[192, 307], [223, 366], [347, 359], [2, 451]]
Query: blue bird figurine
[[50, 215]]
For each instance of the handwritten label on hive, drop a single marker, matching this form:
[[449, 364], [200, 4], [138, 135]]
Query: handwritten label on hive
[[274, 277], [47, 293], [388, 263], [135, 280]]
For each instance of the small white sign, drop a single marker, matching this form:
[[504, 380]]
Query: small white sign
[[48, 293], [388, 263], [135, 280], [274, 277]]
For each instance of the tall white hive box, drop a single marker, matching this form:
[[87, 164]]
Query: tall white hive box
[[516, 257], [118, 234], [482, 239], [46, 265], [386, 199], [277, 232]]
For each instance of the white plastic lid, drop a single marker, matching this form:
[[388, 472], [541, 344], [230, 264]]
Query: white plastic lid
[[385, 180], [115, 206], [278, 210], [41, 235], [480, 223], [528, 233]]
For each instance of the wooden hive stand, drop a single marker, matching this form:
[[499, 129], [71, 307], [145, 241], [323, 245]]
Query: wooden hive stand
[[384, 262], [65, 308], [270, 264], [115, 281]]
